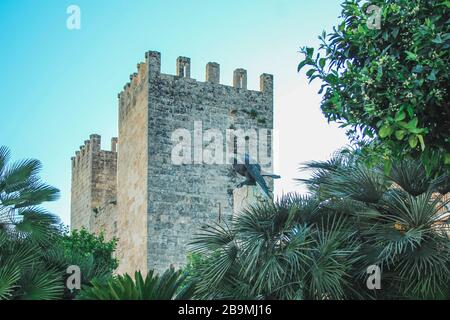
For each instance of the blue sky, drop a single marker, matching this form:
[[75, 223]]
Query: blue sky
[[57, 86]]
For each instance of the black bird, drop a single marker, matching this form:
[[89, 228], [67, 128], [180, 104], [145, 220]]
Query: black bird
[[253, 174]]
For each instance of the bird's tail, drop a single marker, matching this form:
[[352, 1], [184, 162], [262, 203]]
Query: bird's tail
[[273, 176]]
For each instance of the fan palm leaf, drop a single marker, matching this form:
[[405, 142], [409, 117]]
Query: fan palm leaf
[[26, 231], [400, 219], [285, 250]]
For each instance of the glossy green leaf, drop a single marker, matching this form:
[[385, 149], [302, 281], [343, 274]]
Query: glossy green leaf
[[413, 141], [400, 134], [385, 131]]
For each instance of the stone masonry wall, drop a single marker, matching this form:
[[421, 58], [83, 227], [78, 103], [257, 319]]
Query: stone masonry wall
[[105, 221], [94, 188], [184, 197], [132, 174], [80, 205]]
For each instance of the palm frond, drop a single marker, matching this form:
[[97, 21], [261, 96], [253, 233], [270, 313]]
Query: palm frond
[[168, 286], [31, 195], [39, 283], [35, 224], [9, 275], [19, 175], [5, 156], [411, 176]]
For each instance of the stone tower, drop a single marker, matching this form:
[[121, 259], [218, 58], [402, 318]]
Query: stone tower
[[137, 193], [94, 191]]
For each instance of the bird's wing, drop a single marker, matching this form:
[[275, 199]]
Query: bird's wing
[[254, 171], [240, 169]]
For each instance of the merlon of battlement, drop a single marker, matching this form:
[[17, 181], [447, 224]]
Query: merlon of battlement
[[266, 83], [136, 80], [114, 142], [240, 79], [213, 72], [153, 61], [96, 142], [151, 68], [91, 147], [183, 67]]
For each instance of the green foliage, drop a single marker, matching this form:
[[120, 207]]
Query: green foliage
[[389, 86], [168, 286], [195, 262], [90, 252], [83, 243], [320, 246], [21, 190], [400, 218], [293, 249], [23, 272], [26, 231], [37, 270], [34, 252]]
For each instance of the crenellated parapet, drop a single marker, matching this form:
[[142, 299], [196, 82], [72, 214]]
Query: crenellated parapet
[[92, 148], [137, 85], [150, 71], [94, 180]]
